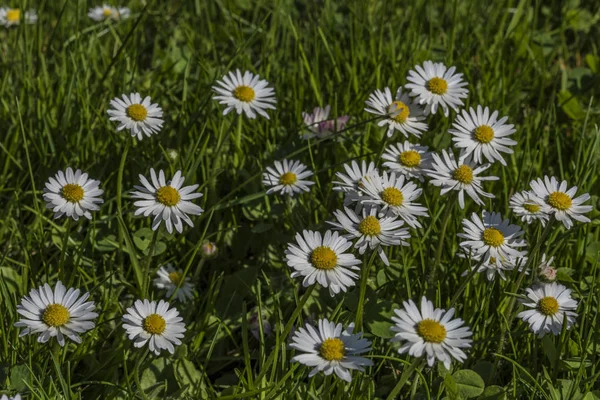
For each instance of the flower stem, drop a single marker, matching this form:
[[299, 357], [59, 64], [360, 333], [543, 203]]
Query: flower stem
[[438, 252], [364, 277], [149, 262]]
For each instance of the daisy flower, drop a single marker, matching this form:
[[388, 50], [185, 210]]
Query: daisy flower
[[329, 349], [5, 397], [140, 117], [560, 200], [549, 307], [320, 126], [288, 177], [546, 272], [166, 201], [529, 207], [461, 176], [322, 259], [245, 94], [155, 324], [480, 134], [410, 160], [72, 194], [169, 279], [108, 12], [430, 331], [56, 313], [371, 230], [12, 16], [401, 112], [436, 86], [350, 182], [492, 266]]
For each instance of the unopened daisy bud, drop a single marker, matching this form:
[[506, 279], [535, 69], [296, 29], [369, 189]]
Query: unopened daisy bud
[[547, 273], [209, 250], [173, 154], [254, 326]]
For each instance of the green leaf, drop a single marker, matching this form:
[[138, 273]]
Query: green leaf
[[570, 105], [469, 383], [594, 395], [187, 373], [550, 349], [11, 279], [380, 329], [451, 386], [142, 238], [20, 378], [261, 228], [493, 393]]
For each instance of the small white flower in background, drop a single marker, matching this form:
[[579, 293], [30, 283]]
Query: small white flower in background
[[288, 177], [436, 86], [561, 200], [320, 126], [108, 12], [16, 397], [140, 117], [323, 259], [549, 307], [529, 207], [172, 154], [245, 94], [401, 112], [432, 332], [169, 279], [329, 349], [410, 160], [56, 313], [254, 325], [166, 201], [350, 183], [72, 194], [492, 266], [155, 324], [12, 16], [371, 230], [479, 134], [209, 250], [461, 176], [546, 272]]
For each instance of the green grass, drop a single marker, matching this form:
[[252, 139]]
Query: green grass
[[538, 62]]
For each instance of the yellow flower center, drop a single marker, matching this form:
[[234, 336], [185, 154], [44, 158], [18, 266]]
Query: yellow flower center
[[392, 196], [323, 258], [463, 174], [137, 112], [175, 277], [332, 349], [370, 226], [560, 200], [288, 178], [548, 305], [484, 134], [168, 196], [410, 158], [13, 15], [106, 12], [493, 237], [244, 93], [402, 110], [431, 331], [437, 86], [533, 208], [56, 315], [154, 324], [72, 192]]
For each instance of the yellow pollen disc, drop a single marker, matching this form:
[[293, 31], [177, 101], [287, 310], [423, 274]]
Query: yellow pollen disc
[[56, 315], [370, 226], [332, 349], [437, 86], [168, 196], [431, 331], [484, 134], [463, 174], [244, 93], [533, 208], [493, 237], [106, 12], [392, 196], [175, 277], [154, 324], [560, 200], [323, 258], [410, 158], [137, 112], [289, 178], [548, 305], [72, 192], [13, 15], [402, 110], [492, 260]]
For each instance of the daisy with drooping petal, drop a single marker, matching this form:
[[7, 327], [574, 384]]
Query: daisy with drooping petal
[[550, 306], [410, 160], [245, 94], [560, 200], [431, 331], [320, 126], [436, 86], [461, 176], [141, 117], [401, 112], [56, 313], [166, 201], [169, 279], [12, 16], [72, 194], [155, 324], [108, 12], [288, 177], [322, 259], [492, 266], [529, 207], [329, 350], [351, 182]]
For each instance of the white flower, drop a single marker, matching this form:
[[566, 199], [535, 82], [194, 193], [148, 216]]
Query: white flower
[[529, 207], [169, 279], [72, 194], [322, 259], [157, 325], [411, 160], [560, 200], [288, 177], [371, 230], [431, 331], [12, 16], [350, 182], [550, 306], [209, 250], [166, 201], [56, 313], [480, 134], [320, 126], [108, 12], [401, 113], [546, 272], [435, 86], [16, 397], [245, 94], [463, 176], [329, 350], [140, 117], [493, 266]]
